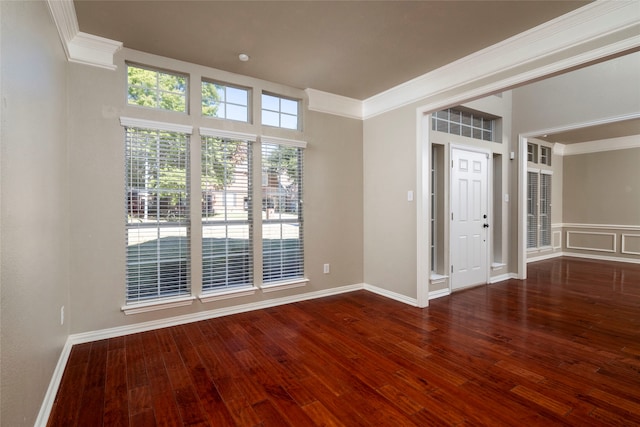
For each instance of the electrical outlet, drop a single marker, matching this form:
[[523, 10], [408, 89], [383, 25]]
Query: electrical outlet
[[62, 315], [327, 269]]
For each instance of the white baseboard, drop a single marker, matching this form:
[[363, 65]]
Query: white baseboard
[[602, 257], [391, 295], [52, 391], [205, 315], [439, 293], [545, 256], [585, 256], [502, 277]]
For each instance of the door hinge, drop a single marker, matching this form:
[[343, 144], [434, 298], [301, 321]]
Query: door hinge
[[451, 268], [451, 216]]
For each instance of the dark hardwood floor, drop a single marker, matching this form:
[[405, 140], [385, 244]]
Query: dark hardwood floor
[[562, 348]]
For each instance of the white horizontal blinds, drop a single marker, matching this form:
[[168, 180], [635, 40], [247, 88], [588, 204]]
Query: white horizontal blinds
[[532, 209], [545, 209], [227, 246], [282, 223], [157, 204]]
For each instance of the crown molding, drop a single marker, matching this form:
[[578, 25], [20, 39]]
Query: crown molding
[[81, 47], [621, 143], [325, 102], [614, 26]]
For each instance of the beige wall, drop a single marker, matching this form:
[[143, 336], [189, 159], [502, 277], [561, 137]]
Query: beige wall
[[34, 214], [389, 219], [332, 200], [602, 188], [602, 199]]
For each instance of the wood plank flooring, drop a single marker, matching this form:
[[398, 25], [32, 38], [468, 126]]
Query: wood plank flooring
[[562, 348]]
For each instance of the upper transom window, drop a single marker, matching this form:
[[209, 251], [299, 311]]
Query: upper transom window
[[225, 101], [163, 90], [280, 112], [465, 123]]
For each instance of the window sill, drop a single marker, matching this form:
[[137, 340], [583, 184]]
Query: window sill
[[157, 305], [229, 293], [497, 265], [435, 277], [280, 286]]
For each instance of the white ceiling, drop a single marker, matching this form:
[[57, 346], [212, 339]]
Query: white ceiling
[[351, 48]]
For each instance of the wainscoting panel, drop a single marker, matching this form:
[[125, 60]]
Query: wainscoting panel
[[631, 244], [591, 241], [602, 241]]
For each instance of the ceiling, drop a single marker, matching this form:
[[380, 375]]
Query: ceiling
[[351, 48], [596, 133]]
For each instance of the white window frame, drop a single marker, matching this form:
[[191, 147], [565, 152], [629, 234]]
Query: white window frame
[[279, 111], [138, 305], [159, 91], [230, 284], [271, 280], [224, 103], [542, 210]]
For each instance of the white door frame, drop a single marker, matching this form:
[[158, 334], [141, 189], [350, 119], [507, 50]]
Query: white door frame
[[523, 139], [489, 205]]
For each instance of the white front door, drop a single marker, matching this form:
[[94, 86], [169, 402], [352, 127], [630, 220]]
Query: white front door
[[469, 218]]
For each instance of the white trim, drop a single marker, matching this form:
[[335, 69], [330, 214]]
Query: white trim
[[391, 295], [497, 265], [423, 208], [614, 235], [54, 384], [205, 315], [545, 256], [281, 286], [81, 47], [502, 278], [93, 50], [227, 294], [611, 144], [325, 102], [567, 36], [157, 305], [597, 226], [622, 245], [154, 125], [602, 257], [228, 134], [283, 141], [439, 294]]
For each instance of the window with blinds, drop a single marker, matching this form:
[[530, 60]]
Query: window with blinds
[[545, 209], [532, 209], [282, 222], [538, 209], [157, 214], [227, 246]]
